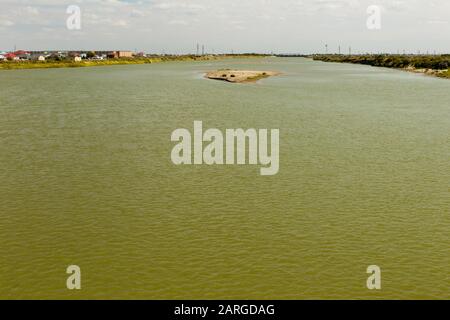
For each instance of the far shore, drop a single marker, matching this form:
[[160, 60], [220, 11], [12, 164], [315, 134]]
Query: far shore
[[12, 65], [432, 65]]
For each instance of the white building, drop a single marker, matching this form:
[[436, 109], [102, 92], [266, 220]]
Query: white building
[[77, 59], [2, 57], [37, 57]]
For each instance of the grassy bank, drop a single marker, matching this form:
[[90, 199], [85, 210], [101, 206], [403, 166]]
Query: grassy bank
[[445, 74], [437, 65], [10, 65]]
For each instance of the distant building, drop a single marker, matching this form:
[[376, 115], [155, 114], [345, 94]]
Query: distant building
[[72, 54], [125, 54], [120, 54], [20, 52], [11, 56], [114, 54], [2, 57], [77, 59], [22, 55], [37, 57]]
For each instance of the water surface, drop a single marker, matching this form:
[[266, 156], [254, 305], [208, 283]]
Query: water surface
[[86, 179]]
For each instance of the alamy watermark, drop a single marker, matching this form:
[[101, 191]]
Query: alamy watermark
[[73, 22], [374, 20], [74, 280], [374, 280], [241, 147]]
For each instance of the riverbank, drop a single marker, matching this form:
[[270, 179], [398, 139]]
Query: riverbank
[[11, 65], [239, 76], [433, 65]]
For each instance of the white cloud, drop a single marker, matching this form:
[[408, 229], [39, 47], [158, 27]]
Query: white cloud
[[5, 23], [247, 25], [120, 23]]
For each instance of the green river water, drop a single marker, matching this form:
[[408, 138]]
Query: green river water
[[86, 178]]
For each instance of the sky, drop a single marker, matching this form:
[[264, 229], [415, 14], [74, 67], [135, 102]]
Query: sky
[[265, 26]]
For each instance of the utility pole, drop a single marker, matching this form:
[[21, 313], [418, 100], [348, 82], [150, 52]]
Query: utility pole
[[326, 48], [349, 51], [203, 50], [198, 49], [339, 49]]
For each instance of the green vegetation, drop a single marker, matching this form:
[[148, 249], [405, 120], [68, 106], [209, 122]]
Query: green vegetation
[[431, 64], [445, 74], [57, 62], [392, 61]]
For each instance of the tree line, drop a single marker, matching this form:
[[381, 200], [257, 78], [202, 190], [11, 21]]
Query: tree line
[[435, 62]]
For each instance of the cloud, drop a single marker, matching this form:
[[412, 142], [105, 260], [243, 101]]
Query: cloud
[[5, 23], [437, 22], [258, 25], [178, 22], [120, 23]]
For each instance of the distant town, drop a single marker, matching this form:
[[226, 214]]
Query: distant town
[[23, 55], [24, 59]]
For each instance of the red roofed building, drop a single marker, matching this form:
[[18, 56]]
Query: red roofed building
[[11, 56], [20, 52]]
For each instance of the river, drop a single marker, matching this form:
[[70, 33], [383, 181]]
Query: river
[[86, 179]]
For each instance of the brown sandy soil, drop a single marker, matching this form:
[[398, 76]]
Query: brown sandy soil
[[430, 72], [239, 76]]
